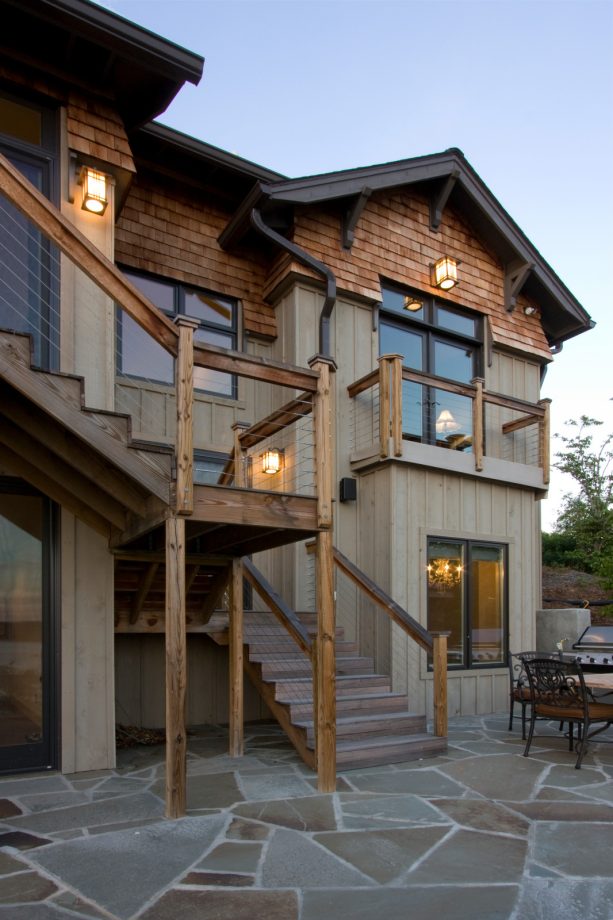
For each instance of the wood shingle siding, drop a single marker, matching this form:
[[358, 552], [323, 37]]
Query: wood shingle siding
[[164, 232], [96, 130]]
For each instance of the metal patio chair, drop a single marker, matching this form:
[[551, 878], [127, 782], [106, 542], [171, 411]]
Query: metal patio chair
[[519, 688]]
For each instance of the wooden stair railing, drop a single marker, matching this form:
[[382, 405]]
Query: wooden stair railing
[[284, 614], [435, 643]]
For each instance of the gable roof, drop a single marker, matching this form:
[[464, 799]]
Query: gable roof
[[448, 178]]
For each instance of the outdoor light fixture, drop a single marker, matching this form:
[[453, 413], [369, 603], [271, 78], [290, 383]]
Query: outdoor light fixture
[[445, 273], [94, 191], [412, 304], [529, 310], [272, 461], [445, 423]]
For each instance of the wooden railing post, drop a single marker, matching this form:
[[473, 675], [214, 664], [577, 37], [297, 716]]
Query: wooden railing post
[[176, 668], [478, 422], [390, 404], [439, 667], [545, 439], [240, 456], [324, 672], [384, 406], [396, 403], [236, 659], [184, 386]]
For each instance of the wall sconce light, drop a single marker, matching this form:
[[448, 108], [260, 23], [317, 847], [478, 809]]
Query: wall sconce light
[[529, 310], [272, 461], [445, 423], [412, 304], [94, 190], [445, 273]]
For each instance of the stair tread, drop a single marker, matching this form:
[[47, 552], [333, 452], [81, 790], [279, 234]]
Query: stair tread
[[381, 741], [367, 719]]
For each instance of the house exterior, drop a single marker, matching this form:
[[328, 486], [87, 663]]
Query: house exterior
[[413, 436]]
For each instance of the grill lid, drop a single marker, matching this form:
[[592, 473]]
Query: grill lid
[[596, 637]]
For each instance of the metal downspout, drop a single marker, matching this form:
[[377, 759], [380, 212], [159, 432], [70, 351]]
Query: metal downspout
[[257, 222]]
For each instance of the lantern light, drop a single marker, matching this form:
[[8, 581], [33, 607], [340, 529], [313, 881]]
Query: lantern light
[[412, 304], [94, 191], [271, 461], [445, 273]]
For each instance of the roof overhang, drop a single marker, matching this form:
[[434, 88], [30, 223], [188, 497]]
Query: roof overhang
[[81, 44], [447, 178]]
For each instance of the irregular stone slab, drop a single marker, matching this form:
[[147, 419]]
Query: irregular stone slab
[[225, 905], [110, 811], [549, 794], [491, 748], [77, 905], [565, 811], [509, 777], [575, 849], [214, 790], [218, 879], [294, 861], [27, 886], [273, 787], [415, 903], [472, 856], [44, 911], [22, 841], [370, 811], [8, 809], [122, 871], [483, 816], [247, 830], [119, 785], [314, 813], [566, 777], [9, 864], [544, 899], [18, 787], [419, 782], [51, 800], [383, 855], [233, 857], [224, 764]]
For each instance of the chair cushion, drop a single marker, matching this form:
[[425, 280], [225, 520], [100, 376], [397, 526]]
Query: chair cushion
[[522, 694], [598, 712]]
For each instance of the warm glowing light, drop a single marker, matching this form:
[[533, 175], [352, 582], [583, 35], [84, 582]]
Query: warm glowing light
[[271, 461], [445, 423], [445, 273], [94, 191], [412, 304], [444, 572]]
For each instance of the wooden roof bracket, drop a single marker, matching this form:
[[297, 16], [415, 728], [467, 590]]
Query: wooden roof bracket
[[439, 199], [515, 276], [352, 216]]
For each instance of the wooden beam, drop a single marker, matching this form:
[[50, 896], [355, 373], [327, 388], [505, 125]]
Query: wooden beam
[[364, 383], [217, 588], [449, 386], [176, 669], [439, 667], [477, 405], [439, 200], [184, 443], [516, 405], [240, 459], [515, 276], [235, 651], [352, 216], [277, 420], [396, 403], [237, 362], [191, 559], [139, 525], [254, 508], [322, 428], [325, 716], [519, 423], [143, 590], [384, 406], [85, 255]]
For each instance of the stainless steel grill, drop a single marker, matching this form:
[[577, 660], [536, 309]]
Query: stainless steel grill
[[594, 649]]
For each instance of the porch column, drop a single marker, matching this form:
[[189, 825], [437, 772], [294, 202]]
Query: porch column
[[236, 747], [184, 444], [176, 668], [439, 667], [324, 676]]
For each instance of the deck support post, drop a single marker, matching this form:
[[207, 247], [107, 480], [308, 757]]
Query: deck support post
[[324, 670], [240, 456], [439, 666], [236, 732], [478, 423], [176, 669], [184, 386]]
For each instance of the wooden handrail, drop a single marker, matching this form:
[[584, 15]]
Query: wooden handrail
[[277, 420], [284, 614], [400, 616]]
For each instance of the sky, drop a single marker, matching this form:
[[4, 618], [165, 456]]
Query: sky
[[523, 87]]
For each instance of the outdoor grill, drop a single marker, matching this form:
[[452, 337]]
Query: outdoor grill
[[594, 649]]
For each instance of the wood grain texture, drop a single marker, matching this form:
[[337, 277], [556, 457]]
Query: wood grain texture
[[439, 666], [184, 443], [176, 669], [235, 652], [326, 664]]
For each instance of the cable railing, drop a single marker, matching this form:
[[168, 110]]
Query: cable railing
[[419, 407]]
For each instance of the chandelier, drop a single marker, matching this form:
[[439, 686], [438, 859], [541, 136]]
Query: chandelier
[[444, 573]]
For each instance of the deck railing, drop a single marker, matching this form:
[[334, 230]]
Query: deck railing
[[388, 411]]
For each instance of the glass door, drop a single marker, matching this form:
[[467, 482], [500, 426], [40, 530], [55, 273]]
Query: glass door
[[27, 639]]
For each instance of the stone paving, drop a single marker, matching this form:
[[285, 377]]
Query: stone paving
[[480, 832]]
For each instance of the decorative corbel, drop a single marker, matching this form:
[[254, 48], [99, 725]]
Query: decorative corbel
[[439, 200], [352, 216], [515, 277]]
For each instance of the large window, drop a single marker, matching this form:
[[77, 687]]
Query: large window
[[467, 597], [439, 340], [140, 356]]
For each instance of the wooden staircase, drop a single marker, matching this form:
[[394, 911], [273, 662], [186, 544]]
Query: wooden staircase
[[374, 724]]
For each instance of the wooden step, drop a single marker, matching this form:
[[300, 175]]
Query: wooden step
[[299, 688], [363, 727], [276, 668], [345, 705], [355, 755]]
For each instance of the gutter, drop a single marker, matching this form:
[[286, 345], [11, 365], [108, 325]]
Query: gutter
[[257, 222]]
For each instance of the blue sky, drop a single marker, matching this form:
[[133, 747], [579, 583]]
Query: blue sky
[[523, 87]]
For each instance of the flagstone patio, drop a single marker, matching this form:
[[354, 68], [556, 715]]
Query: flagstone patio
[[479, 832]]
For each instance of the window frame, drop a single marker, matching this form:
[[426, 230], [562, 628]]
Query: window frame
[[468, 598], [430, 331], [179, 291]]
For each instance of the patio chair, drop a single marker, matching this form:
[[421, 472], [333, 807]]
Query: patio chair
[[558, 692], [519, 688]]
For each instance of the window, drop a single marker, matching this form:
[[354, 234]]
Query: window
[[139, 355], [208, 467], [467, 597], [439, 340]]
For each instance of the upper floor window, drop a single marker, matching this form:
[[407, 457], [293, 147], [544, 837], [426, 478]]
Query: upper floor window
[[439, 340], [139, 355]]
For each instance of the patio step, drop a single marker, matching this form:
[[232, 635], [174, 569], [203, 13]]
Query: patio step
[[302, 687], [366, 727], [387, 749], [365, 703]]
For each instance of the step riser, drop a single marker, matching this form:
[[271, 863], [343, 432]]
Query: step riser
[[414, 725], [366, 706], [394, 753]]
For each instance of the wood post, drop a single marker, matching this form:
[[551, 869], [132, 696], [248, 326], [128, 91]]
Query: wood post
[[396, 407], [240, 456], [184, 387], [390, 404], [384, 406], [439, 667], [324, 671], [545, 438], [176, 669], [236, 659], [478, 422]]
